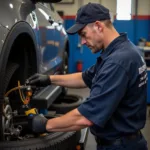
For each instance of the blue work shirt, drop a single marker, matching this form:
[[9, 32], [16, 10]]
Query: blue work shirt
[[117, 101]]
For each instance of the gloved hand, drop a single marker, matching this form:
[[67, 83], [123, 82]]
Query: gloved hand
[[37, 123], [39, 80]]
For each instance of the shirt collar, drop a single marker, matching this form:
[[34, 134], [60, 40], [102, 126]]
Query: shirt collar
[[123, 37]]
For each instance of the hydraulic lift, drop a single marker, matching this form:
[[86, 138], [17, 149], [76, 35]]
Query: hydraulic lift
[[83, 139]]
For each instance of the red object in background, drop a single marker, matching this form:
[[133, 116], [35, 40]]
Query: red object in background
[[79, 66]]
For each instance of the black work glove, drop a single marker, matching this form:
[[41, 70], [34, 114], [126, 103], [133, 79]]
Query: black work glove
[[37, 123], [39, 80]]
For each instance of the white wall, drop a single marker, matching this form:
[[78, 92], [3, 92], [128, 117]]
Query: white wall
[[71, 9], [110, 4], [144, 7]]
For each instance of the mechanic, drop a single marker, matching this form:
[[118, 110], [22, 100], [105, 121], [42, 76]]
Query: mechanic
[[115, 111]]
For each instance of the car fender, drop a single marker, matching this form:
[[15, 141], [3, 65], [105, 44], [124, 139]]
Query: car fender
[[3, 31], [16, 11], [19, 28]]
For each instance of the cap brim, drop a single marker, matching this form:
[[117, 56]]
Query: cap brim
[[75, 28]]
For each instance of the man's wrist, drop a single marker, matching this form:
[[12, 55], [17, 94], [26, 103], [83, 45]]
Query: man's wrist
[[51, 79]]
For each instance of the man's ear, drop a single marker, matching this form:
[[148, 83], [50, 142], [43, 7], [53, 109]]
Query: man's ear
[[98, 24]]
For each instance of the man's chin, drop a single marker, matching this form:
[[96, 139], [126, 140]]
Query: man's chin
[[94, 51]]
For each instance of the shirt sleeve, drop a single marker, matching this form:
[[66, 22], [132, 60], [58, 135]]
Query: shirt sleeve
[[88, 75], [106, 93]]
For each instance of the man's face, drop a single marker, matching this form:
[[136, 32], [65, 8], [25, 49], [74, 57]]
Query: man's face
[[92, 37]]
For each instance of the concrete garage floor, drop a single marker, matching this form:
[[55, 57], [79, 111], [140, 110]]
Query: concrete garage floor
[[91, 145]]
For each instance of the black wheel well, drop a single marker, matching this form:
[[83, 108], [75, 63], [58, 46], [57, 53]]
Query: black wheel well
[[23, 53]]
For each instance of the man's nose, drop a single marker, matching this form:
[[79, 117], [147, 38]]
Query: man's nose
[[83, 41]]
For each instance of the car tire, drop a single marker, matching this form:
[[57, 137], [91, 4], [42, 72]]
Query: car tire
[[52, 141], [10, 70], [67, 103]]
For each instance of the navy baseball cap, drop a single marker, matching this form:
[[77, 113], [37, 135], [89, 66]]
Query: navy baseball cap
[[89, 13]]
